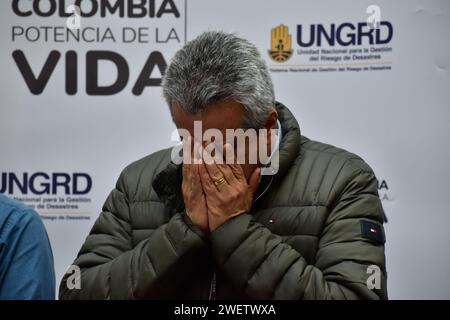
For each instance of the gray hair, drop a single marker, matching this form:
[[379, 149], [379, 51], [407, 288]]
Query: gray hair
[[219, 66]]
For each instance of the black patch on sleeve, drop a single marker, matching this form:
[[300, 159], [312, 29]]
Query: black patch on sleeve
[[373, 232]]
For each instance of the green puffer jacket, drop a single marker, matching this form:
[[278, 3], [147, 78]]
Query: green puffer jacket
[[312, 233]]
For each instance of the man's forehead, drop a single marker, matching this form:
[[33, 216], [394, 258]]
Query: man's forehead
[[221, 115]]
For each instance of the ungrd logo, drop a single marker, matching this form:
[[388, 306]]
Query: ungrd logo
[[39, 183], [344, 34], [371, 32], [281, 44]]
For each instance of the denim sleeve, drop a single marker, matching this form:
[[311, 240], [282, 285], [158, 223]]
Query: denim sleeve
[[26, 259]]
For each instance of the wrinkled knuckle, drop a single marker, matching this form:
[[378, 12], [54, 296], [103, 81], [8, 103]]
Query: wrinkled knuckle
[[234, 195]]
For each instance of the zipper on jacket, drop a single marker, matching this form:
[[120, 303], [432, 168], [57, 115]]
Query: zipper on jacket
[[212, 288], [265, 190]]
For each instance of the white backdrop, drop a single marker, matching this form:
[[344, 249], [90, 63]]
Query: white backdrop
[[394, 111]]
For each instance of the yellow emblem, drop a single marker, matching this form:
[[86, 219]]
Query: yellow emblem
[[281, 49]]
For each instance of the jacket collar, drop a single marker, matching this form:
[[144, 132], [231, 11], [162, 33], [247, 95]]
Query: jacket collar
[[290, 142], [167, 184]]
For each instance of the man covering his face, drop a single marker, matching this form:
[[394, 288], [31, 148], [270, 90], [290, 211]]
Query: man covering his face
[[307, 224]]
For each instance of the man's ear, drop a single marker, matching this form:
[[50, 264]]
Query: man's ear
[[272, 118], [271, 124]]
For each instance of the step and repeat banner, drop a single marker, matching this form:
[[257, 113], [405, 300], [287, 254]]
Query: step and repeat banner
[[81, 98]]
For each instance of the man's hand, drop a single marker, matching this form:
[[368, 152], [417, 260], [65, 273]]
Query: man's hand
[[226, 190], [194, 198]]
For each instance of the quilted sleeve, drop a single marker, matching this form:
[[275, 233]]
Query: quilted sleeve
[[112, 269]]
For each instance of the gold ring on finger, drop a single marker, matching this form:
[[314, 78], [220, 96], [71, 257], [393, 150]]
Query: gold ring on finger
[[220, 181]]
